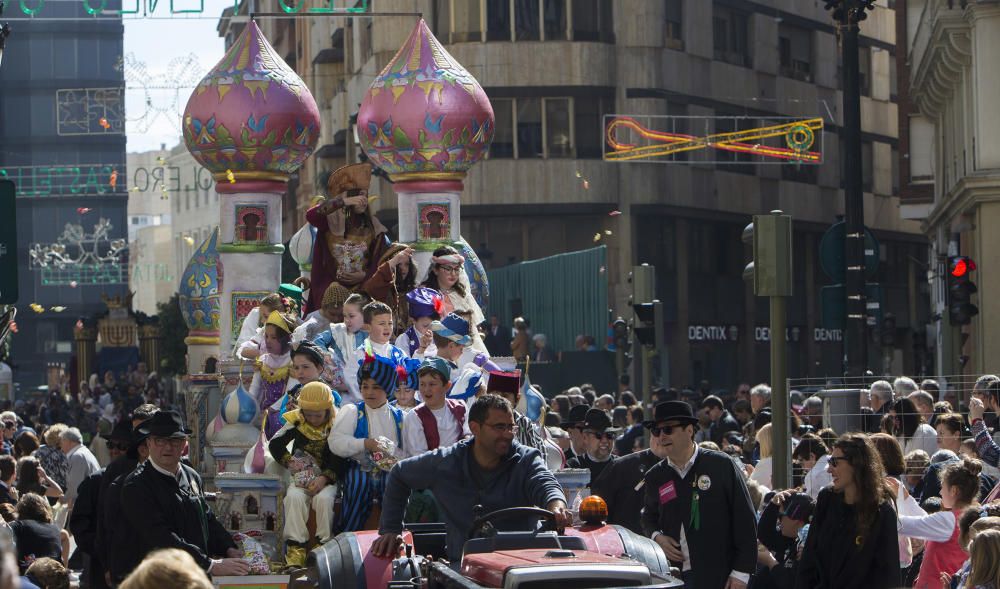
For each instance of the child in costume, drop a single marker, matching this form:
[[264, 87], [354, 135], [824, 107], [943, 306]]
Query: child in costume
[[379, 325], [451, 342], [342, 342], [360, 433], [307, 366], [424, 305], [438, 421], [320, 320], [273, 369], [250, 343], [301, 447]]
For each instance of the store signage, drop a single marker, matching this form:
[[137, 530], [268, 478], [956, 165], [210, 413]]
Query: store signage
[[98, 179], [763, 334], [713, 333], [828, 335]]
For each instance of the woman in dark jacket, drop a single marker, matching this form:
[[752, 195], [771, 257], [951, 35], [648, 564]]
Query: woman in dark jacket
[[34, 533], [852, 541]]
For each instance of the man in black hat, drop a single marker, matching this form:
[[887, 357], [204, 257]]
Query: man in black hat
[[163, 503], [599, 440], [84, 520], [697, 507], [622, 484], [573, 424]]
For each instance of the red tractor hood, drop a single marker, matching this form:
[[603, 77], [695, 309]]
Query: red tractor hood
[[489, 568]]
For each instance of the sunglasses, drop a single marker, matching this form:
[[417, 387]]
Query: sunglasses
[[665, 429], [835, 460], [602, 435], [123, 446]]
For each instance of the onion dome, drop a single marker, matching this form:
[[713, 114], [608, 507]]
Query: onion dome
[[198, 293], [425, 117], [238, 406], [300, 246], [251, 115]]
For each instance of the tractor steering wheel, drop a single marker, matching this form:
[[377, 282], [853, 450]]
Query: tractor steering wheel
[[484, 523]]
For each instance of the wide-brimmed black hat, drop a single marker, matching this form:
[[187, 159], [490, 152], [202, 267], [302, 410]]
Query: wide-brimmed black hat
[[598, 421], [164, 424], [577, 415], [122, 432], [672, 410]]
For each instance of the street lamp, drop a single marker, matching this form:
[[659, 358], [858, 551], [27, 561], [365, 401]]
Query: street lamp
[[848, 14]]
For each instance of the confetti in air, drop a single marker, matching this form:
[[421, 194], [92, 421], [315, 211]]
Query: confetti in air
[[597, 237], [114, 178], [59, 309], [37, 308], [614, 213], [230, 176], [188, 240], [83, 210], [104, 123], [607, 232]]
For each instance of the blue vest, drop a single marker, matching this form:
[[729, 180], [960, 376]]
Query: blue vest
[[361, 430]]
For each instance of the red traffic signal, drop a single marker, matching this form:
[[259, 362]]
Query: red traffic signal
[[961, 265]]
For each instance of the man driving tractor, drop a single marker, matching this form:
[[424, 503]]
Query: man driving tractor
[[490, 469]]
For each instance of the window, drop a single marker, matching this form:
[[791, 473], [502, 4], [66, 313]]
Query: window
[[675, 25], [865, 70], [799, 172], [895, 171], [366, 42], [558, 140], [593, 21], [795, 52], [893, 82], [529, 128], [731, 36], [679, 126], [588, 125], [503, 138], [466, 16], [554, 19], [497, 19], [442, 20], [526, 25], [729, 125], [867, 166]]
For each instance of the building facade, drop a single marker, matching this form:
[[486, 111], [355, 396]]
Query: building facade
[[62, 141], [954, 160], [554, 69]]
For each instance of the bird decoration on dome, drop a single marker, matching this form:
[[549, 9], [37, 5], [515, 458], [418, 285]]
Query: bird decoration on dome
[[425, 115]]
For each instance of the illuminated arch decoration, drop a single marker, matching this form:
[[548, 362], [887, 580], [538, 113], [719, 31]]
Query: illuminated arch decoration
[[435, 221], [780, 140]]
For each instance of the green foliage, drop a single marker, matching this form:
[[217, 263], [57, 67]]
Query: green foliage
[[173, 330]]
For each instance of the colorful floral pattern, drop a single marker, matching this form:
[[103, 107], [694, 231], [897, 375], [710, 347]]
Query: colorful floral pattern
[[251, 113], [425, 112]]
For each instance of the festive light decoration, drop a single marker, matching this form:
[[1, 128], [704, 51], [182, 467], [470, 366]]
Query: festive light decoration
[[798, 136], [78, 256]]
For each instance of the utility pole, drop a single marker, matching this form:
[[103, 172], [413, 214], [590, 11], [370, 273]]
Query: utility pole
[[849, 14]]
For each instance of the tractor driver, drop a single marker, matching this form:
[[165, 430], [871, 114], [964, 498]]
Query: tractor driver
[[489, 469]]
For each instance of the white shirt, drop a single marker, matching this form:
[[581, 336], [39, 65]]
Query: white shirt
[[936, 527], [380, 423], [414, 439], [81, 463], [817, 477], [924, 438], [762, 472]]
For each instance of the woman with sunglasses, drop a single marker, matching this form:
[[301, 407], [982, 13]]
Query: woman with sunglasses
[[447, 276], [852, 541]]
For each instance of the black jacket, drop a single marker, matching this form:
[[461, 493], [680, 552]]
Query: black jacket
[[331, 466], [832, 558], [931, 483], [34, 540], [725, 424], [782, 576], [725, 539], [168, 513], [595, 468], [117, 547], [84, 523], [619, 486]]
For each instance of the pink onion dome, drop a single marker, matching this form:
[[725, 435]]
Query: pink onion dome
[[252, 117], [425, 117]]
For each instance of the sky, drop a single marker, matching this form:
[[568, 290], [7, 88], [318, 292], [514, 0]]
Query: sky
[[164, 58]]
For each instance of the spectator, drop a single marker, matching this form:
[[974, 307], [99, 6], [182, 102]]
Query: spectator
[[497, 338], [81, 463], [520, 346], [852, 541], [8, 474], [778, 532], [762, 470], [812, 412], [931, 386], [560, 404], [880, 400], [722, 421], [168, 568], [917, 462], [924, 404], [540, 351], [909, 428], [32, 478], [598, 437], [760, 398], [814, 457], [984, 557], [626, 442], [25, 445], [605, 403], [742, 411], [48, 573], [51, 457], [34, 533], [903, 386]]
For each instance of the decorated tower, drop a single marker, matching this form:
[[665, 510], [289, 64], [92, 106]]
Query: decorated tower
[[251, 122], [425, 121]]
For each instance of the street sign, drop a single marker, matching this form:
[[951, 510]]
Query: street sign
[[8, 243], [832, 301], [831, 253]]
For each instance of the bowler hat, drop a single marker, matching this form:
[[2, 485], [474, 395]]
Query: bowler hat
[[672, 411], [577, 415], [164, 424], [122, 431], [598, 421]]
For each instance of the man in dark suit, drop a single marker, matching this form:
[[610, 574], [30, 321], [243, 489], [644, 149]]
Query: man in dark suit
[[622, 485], [697, 507], [497, 338], [8, 472], [599, 438], [164, 505]]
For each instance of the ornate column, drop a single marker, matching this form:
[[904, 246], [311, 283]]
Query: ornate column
[[425, 121], [149, 345], [85, 338]]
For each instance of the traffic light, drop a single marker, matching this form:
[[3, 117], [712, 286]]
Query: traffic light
[[771, 268], [960, 290], [647, 322]]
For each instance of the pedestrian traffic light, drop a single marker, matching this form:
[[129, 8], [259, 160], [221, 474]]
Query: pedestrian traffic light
[[648, 327], [960, 290], [771, 267]]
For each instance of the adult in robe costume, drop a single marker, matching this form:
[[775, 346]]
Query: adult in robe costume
[[350, 241]]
